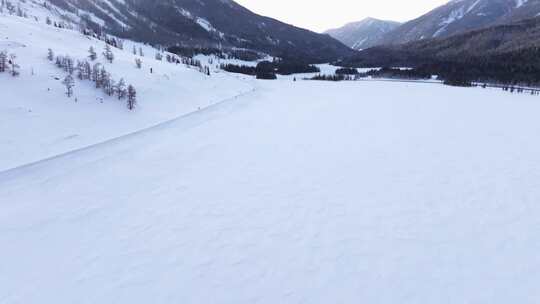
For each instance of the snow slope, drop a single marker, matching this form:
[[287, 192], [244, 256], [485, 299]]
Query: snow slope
[[39, 121], [298, 192]]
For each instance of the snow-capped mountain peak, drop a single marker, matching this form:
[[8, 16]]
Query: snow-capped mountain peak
[[458, 16], [363, 34]]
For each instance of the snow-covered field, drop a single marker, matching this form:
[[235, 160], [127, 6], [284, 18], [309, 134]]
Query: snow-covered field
[[304, 192], [224, 189]]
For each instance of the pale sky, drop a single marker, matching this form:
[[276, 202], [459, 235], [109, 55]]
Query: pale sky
[[320, 15]]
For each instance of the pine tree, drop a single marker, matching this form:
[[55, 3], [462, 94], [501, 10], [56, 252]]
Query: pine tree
[[121, 90], [134, 50], [92, 53], [104, 78], [50, 55], [87, 70], [96, 76], [138, 63], [132, 97], [141, 52], [159, 56], [108, 54], [69, 83], [110, 87], [48, 20]]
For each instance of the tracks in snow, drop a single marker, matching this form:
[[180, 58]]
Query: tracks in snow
[[6, 174]]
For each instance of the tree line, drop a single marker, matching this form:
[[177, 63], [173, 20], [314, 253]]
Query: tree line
[[269, 69], [96, 73], [8, 63]]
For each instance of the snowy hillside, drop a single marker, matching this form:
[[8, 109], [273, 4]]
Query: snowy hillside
[[194, 23], [39, 120]]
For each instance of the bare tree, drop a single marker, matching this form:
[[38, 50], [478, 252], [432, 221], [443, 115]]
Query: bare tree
[[3, 61], [96, 75], [14, 67], [69, 83], [132, 98]]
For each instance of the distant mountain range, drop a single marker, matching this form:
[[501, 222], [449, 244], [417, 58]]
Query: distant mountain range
[[363, 34], [203, 23], [459, 16], [455, 17], [520, 36]]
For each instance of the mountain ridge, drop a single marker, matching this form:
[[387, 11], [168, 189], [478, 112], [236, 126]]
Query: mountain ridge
[[363, 34], [459, 16], [204, 23]]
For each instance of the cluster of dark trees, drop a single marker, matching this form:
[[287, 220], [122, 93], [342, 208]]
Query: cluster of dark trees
[[395, 73], [8, 63], [268, 70], [347, 71], [516, 68], [289, 67], [96, 73], [240, 54], [239, 69], [504, 55], [261, 71], [335, 77]]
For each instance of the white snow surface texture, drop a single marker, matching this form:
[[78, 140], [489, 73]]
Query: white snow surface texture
[[293, 192]]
